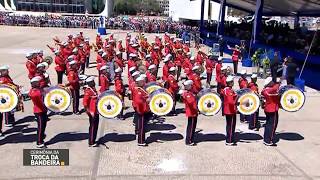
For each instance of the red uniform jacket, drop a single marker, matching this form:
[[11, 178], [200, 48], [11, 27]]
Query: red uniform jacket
[[173, 86], [43, 82], [229, 103], [272, 98], [6, 80], [210, 64], [119, 85], [119, 62], [254, 87], [104, 83], [223, 82], [218, 72], [243, 83], [66, 52], [196, 87], [140, 100], [151, 77], [82, 56], [178, 60], [32, 68], [165, 70], [36, 95], [155, 57], [235, 55], [120, 47], [73, 79], [60, 63], [190, 102], [89, 100]]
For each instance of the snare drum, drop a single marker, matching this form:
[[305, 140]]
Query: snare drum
[[248, 101], [57, 98], [9, 98], [152, 86], [161, 102], [209, 102], [291, 98], [109, 104]]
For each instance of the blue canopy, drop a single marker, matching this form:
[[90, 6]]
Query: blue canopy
[[279, 7]]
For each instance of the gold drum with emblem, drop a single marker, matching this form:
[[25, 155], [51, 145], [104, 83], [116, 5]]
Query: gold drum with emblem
[[109, 104], [161, 102], [209, 102], [249, 101], [9, 98], [291, 98], [57, 98]]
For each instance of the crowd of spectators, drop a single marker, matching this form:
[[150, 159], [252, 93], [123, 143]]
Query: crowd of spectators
[[275, 34], [49, 21]]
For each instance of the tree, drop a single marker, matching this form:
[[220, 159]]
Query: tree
[[131, 7]]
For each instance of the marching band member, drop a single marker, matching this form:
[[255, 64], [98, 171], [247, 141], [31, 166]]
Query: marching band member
[[119, 60], [89, 104], [82, 58], [230, 110], [243, 83], [73, 79], [148, 60], [104, 79], [151, 73], [31, 65], [271, 107], [190, 101], [254, 118], [140, 99], [60, 66], [210, 64], [195, 77], [235, 57], [120, 47], [223, 78], [119, 88], [218, 73], [40, 72], [87, 50], [167, 65], [6, 79], [173, 87], [99, 42], [179, 62], [39, 110]]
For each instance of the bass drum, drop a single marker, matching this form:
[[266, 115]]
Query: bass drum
[[152, 86], [161, 102], [57, 98], [248, 101], [209, 102], [291, 98], [109, 104], [8, 98]]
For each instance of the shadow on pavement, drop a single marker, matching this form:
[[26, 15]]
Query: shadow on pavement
[[26, 119], [160, 127], [154, 137], [289, 136], [115, 137], [199, 137], [247, 137], [68, 136], [18, 138]]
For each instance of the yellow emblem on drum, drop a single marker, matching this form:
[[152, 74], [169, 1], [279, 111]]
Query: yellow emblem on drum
[[161, 104], [8, 99], [209, 104], [292, 100], [57, 100], [150, 89], [248, 104], [109, 106]]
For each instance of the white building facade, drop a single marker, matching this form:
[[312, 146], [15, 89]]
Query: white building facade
[[191, 10]]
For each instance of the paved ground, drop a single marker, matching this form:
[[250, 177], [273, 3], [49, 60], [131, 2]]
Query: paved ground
[[296, 156]]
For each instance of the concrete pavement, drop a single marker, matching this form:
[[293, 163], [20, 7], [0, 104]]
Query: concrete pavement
[[167, 157]]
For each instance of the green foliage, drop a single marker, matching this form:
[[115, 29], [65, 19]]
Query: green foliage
[[256, 56], [132, 7]]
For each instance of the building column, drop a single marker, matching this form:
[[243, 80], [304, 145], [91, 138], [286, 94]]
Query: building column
[[257, 21], [296, 21], [202, 16], [221, 17]]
